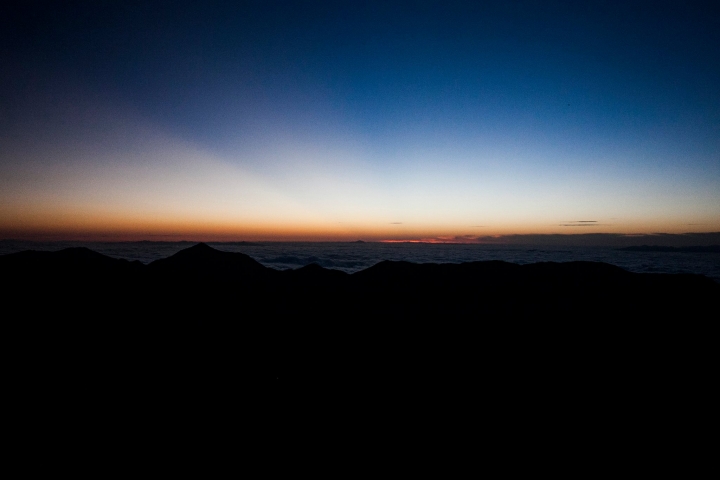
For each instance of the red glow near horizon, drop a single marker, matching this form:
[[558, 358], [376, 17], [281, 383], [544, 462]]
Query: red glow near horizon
[[433, 240]]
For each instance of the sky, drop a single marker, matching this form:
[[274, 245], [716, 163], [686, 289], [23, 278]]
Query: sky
[[280, 120]]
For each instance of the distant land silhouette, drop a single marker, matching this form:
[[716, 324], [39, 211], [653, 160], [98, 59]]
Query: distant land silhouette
[[213, 328], [660, 248]]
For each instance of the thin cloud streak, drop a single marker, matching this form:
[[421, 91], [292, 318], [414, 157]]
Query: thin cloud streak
[[582, 239]]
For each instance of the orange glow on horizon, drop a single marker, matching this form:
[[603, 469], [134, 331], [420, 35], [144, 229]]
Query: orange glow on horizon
[[103, 223], [126, 229]]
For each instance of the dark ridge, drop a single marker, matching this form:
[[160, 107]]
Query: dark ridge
[[315, 269], [67, 262], [202, 262], [211, 329], [315, 276], [201, 266], [659, 248]]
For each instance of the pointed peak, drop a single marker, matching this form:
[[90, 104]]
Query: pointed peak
[[203, 256], [200, 250], [201, 246]]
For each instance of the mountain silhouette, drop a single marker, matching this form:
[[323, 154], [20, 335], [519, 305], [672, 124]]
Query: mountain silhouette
[[498, 286], [204, 263], [204, 321]]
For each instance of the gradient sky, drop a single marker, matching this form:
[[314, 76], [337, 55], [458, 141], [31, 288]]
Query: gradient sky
[[345, 120]]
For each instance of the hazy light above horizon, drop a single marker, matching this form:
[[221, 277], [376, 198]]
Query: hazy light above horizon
[[317, 121]]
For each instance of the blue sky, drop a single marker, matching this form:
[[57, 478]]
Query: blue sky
[[342, 120]]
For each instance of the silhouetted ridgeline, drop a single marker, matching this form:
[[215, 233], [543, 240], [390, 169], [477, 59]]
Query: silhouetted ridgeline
[[207, 320], [201, 280]]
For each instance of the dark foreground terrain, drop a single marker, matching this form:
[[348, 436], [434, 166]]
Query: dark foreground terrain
[[547, 342]]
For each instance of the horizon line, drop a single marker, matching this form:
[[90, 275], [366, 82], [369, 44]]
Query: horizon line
[[449, 240]]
